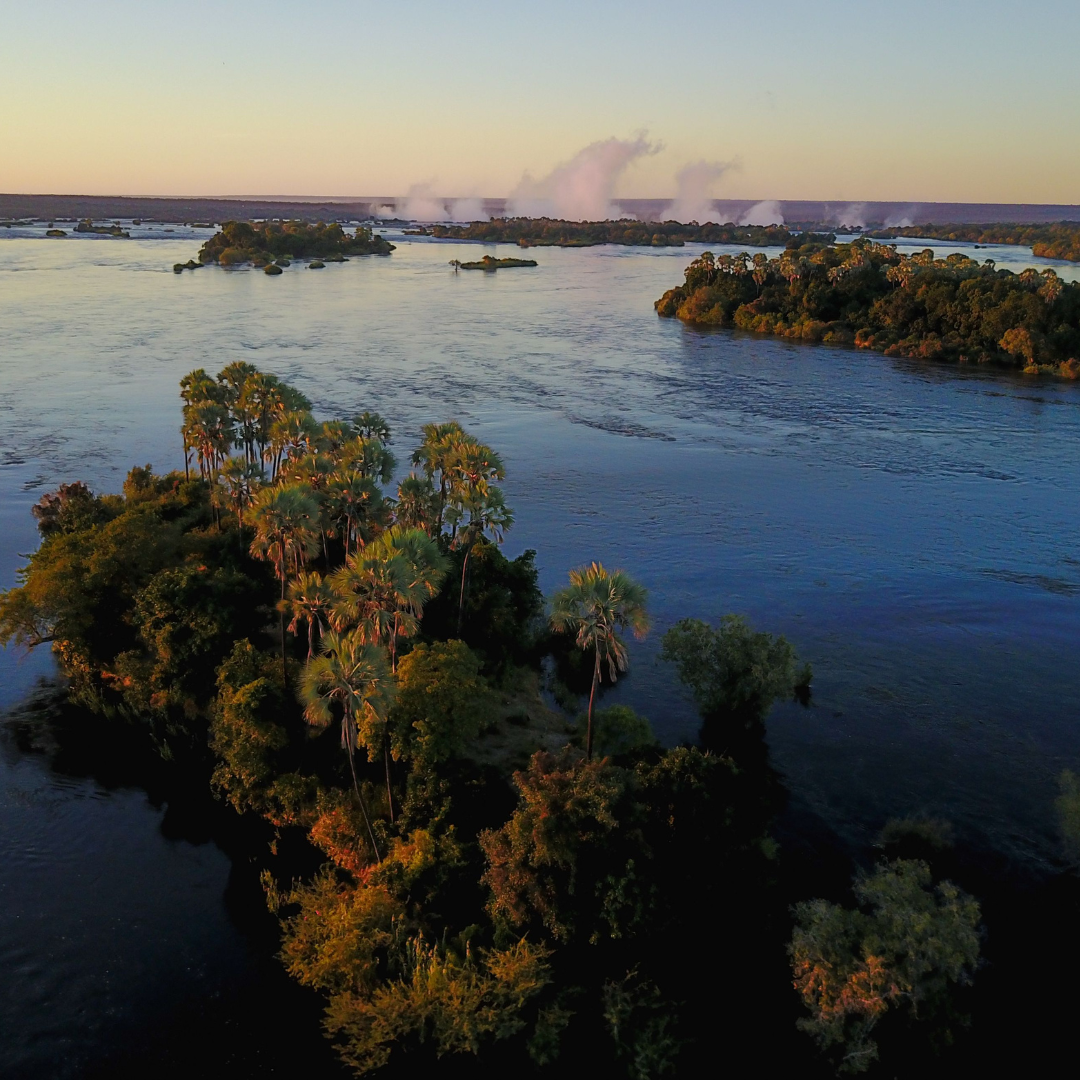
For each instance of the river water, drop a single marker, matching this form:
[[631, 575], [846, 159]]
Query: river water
[[911, 528]]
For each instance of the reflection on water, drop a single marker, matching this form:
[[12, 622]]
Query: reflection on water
[[911, 528]]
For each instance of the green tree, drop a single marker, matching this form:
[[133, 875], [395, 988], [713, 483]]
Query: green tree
[[595, 606], [308, 600], [908, 944], [477, 513], [286, 519], [437, 455]]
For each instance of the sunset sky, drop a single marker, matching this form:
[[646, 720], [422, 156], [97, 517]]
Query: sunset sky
[[965, 101]]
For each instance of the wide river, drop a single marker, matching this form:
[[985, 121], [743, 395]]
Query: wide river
[[911, 528]]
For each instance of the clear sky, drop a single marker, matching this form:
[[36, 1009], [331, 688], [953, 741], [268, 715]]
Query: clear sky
[[921, 101]]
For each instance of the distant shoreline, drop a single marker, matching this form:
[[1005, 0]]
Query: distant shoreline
[[177, 209]]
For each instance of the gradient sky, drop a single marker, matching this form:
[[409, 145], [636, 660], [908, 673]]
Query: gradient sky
[[965, 101]]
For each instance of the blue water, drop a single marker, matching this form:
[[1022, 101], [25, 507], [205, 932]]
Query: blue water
[[911, 528]]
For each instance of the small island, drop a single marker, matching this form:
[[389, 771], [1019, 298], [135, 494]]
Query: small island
[[55, 232], [552, 232], [263, 242], [490, 264], [1058, 241], [867, 295], [87, 226]]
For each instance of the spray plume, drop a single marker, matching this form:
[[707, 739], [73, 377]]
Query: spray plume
[[583, 188], [767, 212], [694, 198]]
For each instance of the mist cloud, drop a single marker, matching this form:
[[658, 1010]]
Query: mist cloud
[[583, 188], [766, 212], [694, 198]]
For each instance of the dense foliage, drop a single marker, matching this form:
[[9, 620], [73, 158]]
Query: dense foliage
[[865, 294], [361, 673], [262, 242], [551, 232], [1058, 241]]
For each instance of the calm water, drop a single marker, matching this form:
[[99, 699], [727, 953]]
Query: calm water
[[912, 529]]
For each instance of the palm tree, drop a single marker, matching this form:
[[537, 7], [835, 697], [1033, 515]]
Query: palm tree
[[417, 503], [370, 425], [594, 607], [482, 513], [353, 675], [354, 507], [286, 519], [436, 455], [308, 599], [240, 480]]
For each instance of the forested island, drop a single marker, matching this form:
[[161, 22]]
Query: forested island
[[87, 226], [551, 232], [490, 264], [263, 243], [1057, 241], [533, 886], [867, 295]]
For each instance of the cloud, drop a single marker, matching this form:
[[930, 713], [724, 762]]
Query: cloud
[[767, 212], [695, 184], [583, 188]]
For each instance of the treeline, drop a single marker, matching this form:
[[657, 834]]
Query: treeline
[[1057, 241], [867, 295], [500, 881], [264, 242], [551, 232]]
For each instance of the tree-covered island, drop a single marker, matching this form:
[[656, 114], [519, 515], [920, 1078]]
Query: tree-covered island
[[552, 232], [262, 243], [501, 880], [1060, 240], [867, 295], [490, 264]]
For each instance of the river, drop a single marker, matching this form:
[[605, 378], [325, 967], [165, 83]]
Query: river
[[911, 528]]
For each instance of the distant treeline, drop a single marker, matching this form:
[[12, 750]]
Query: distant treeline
[[262, 242], [868, 295], [1058, 241], [552, 232]]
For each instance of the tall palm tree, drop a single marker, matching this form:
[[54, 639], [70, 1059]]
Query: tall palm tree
[[475, 515], [436, 455], [286, 520], [354, 507], [595, 606], [370, 425], [239, 480], [353, 675], [308, 599]]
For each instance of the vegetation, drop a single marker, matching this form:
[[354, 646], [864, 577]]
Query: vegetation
[[1057, 241], [262, 242], [867, 295], [359, 672], [490, 263], [550, 232]]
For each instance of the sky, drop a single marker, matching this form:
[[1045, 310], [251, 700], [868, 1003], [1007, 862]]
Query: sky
[[943, 101]]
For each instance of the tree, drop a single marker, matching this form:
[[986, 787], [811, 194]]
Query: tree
[[437, 455], [912, 942], [595, 606], [286, 519], [308, 600], [417, 503], [353, 675], [484, 512], [734, 673], [240, 480]]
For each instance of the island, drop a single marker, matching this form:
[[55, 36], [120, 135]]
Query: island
[[55, 232], [87, 226], [552, 232], [491, 264], [1056, 241], [463, 867], [263, 242], [866, 295]]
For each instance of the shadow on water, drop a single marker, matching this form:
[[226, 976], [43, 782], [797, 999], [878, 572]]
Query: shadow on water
[[174, 945]]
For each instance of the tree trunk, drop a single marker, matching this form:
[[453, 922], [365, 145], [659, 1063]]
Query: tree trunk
[[281, 621], [386, 761], [360, 798], [310, 636], [592, 698], [461, 597]]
